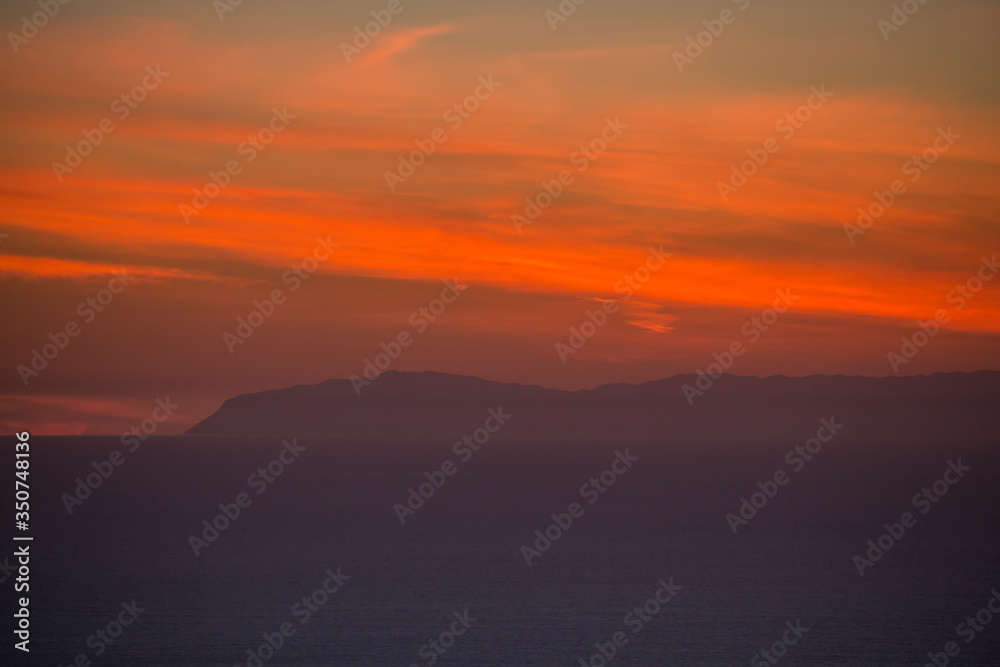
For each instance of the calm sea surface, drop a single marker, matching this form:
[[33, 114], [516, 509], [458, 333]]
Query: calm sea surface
[[459, 556]]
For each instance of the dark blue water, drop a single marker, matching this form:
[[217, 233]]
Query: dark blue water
[[663, 518]]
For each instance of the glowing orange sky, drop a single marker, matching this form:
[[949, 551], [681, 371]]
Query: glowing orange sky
[[324, 176]]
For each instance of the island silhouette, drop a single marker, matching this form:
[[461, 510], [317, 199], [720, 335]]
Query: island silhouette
[[941, 407]]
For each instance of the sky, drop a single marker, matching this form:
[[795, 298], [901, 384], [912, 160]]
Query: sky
[[615, 108]]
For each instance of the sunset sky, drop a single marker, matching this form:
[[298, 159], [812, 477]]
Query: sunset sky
[[348, 123]]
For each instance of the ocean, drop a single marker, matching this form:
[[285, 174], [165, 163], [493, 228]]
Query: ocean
[[332, 560]]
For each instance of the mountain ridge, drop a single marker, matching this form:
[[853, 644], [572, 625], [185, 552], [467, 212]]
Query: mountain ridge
[[431, 403]]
